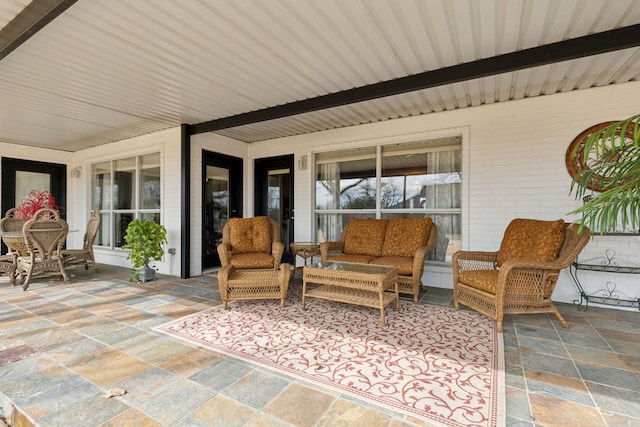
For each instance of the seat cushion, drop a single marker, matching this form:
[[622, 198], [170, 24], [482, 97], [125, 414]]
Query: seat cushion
[[404, 264], [249, 235], [484, 280], [531, 240], [365, 237], [252, 260], [362, 259], [404, 236]]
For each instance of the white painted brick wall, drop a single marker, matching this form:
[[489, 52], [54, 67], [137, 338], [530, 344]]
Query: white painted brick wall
[[513, 166]]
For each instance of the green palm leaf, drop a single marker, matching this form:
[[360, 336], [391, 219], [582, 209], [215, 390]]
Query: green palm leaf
[[617, 174]]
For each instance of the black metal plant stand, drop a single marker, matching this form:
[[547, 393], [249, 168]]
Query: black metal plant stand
[[608, 295]]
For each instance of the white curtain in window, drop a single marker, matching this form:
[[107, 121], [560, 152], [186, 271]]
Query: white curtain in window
[[445, 194], [329, 226]]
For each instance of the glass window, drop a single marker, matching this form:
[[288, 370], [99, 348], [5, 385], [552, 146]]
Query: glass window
[[420, 179], [150, 181], [27, 181], [415, 179], [123, 185], [346, 180], [123, 190]]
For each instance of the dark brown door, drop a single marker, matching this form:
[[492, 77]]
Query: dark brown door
[[222, 199], [274, 195], [19, 177]]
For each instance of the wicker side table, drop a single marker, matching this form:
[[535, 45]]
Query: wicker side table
[[305, 250], [236, 285]]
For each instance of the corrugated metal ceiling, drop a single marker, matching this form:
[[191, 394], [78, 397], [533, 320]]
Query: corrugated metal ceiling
[[9, 9], [106, 70]]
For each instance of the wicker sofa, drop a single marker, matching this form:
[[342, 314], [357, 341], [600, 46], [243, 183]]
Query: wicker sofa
[[399, 242]]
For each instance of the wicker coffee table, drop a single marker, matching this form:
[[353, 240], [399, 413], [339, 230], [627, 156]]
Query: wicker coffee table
[[367, 285]]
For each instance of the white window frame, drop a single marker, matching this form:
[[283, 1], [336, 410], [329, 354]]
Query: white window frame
[[109, 213], [379, 212]]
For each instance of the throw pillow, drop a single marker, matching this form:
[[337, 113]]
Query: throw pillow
[[405, 235], [365, 236], [250, 234], [531, 240]]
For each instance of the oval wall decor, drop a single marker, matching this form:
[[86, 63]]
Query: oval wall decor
[[576, 164]]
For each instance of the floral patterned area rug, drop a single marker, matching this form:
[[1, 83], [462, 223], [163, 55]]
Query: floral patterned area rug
[[433, 363]]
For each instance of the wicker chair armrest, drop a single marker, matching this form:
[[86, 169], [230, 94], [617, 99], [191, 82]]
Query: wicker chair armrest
[[527, 279], [277, 249], [9, 257], [223, 278], [432, 238], [532, 265], [418, 262], [224, 252], [330, 248], [474, 260]]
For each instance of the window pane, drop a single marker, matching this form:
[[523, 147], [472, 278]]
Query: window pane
[[28, 181], [121, 221], [150, 181], [449, 236], [104, 232], [420, 180], [151, 217], [347, 183], [123, 184], [216, 206], [101, 184]]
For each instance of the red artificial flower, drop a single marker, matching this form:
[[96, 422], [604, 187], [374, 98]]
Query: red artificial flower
[[36, 201]]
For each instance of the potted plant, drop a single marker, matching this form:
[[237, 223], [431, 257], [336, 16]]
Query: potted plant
[[145, 239], [35, 201], [611, 155]]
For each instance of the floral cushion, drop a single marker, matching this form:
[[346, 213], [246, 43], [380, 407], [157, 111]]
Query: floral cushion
[[252, 260], [365, 236], [487, 280], [405, 235], [483, 280], [404, 264], [361, 259], [531, 240], [249, 235]]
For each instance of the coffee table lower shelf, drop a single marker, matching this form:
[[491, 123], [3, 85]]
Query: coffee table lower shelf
[[352, 296], [355, 296], [374, 286]]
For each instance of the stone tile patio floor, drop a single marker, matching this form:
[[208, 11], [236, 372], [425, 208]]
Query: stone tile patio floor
[[63, 346]]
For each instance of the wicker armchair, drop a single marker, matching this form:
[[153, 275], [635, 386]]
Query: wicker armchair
[[9, 261], [8, 264], [251, 243], [84, 256], [10, 223], [521, 276], [44, 237]]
